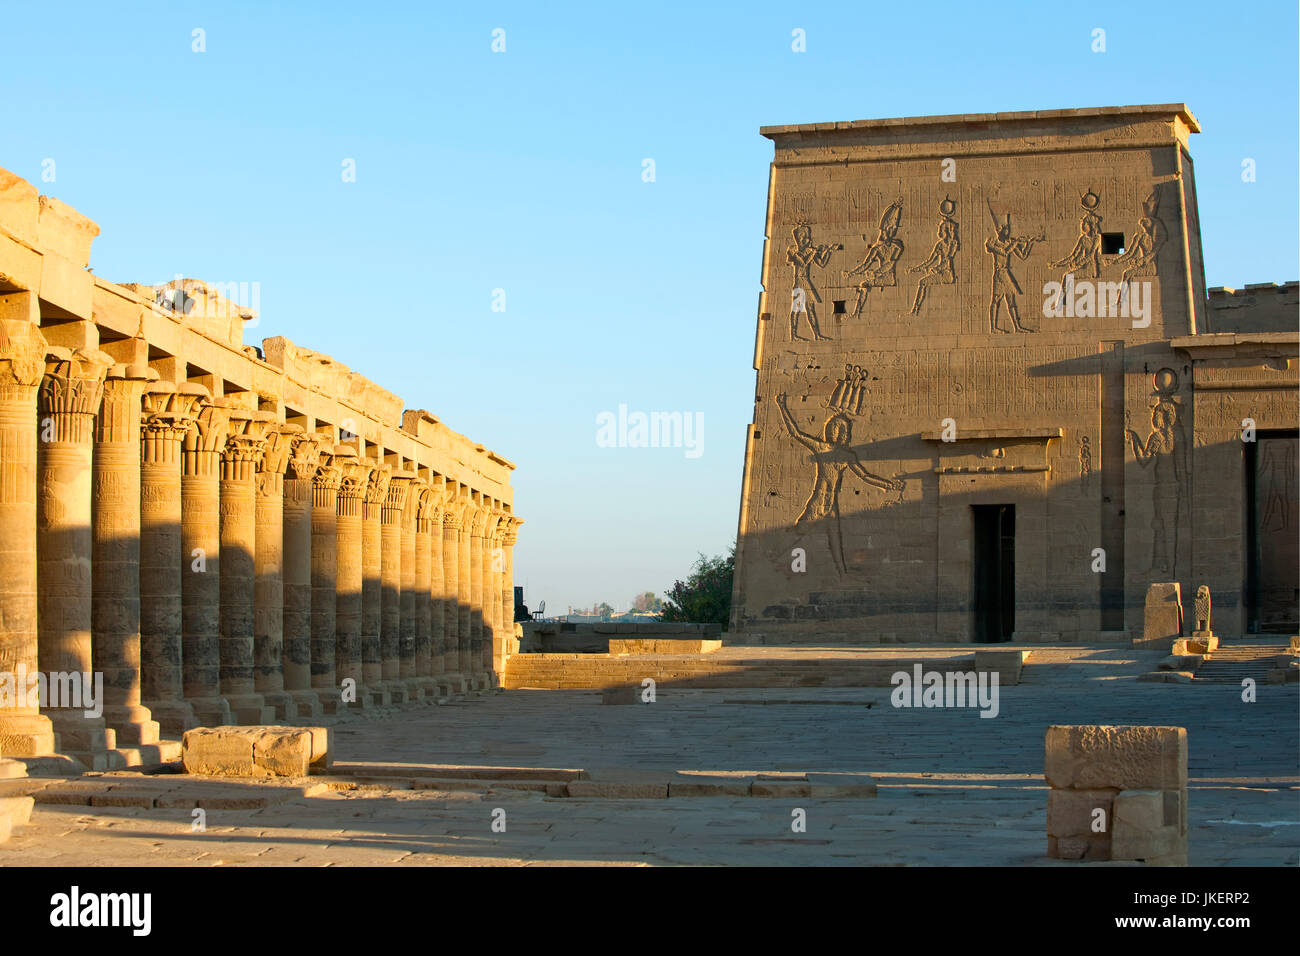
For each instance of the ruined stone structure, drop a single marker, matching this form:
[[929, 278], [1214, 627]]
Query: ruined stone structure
[[995, 400], [226, 533]]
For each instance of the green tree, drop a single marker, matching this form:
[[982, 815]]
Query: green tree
[[705, 596], [603, 611], [647, 602]]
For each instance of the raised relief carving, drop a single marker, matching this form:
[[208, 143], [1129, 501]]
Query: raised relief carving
[[1139, 259], [1164, 452], [1277, 475], [940, 267], [1085, 464], [877, 268], [1086, 254], [832, 455], [1002, 247], [850, 391], [804, 297]]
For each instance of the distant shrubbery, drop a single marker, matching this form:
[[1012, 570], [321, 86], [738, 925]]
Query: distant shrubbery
[[705, 596]]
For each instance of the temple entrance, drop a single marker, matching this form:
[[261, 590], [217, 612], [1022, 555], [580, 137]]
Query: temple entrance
[[1273, 545], [993, 543]]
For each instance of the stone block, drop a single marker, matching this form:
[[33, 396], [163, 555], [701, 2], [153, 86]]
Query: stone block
[[1167, 677], [1095, 757], [1070, 813], [1180, 662], [1162, 620], [256, 751], [1007, 664]]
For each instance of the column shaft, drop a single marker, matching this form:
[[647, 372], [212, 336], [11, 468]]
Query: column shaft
[[303, 459]]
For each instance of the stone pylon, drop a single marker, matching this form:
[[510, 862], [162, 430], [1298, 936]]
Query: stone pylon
[[406, 650], [353, 478], [168, 413], [372, 590], [300, 470], [67, 405], [115, 608], [424, 651], [243, 450], [452, 672], [324, 571], [24, 730], [201, 562], [390, 576], [268, 573]]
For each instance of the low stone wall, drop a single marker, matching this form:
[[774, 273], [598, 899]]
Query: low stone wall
[[1117, 793], [256, 751]]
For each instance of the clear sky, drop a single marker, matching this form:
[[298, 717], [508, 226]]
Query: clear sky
[[524, 171]]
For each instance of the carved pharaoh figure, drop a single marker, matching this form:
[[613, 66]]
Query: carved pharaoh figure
[[1086, 255], [877, 268], [1139, 259], [938, 269], [1003, 246], [802, 256]]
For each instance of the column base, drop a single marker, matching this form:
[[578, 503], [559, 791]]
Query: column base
[[414, 691], [453, 683], [211, 711], [396, 691], [380, 694], [331, 701], [26, 735], [307, 703], [429, 687], [134, 725], [283, 703], [250, 709], [174, 717], [365, 699], [88, 740]]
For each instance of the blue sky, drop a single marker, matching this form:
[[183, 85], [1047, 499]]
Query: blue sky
[[522, 171]]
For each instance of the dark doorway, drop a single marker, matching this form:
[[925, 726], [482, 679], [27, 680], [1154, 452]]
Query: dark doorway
[[994, 559], [1272, 542]]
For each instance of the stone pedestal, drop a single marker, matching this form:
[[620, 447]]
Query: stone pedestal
[[24, 730], [324, 570], [68, 402], [201, 557], [115, 609], [1162, 617], [355, 474], [391, 585], [300, 471], [372, 588], [168, 413], [268, 574], [239, 458]]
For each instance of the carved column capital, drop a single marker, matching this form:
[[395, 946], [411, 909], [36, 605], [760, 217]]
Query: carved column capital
[[395, 502], [275, 458], [22, 355], [304, 456], [354, 473], [71, 392]]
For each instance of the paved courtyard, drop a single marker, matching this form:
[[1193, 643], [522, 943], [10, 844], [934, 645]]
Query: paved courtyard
[[953, 788]]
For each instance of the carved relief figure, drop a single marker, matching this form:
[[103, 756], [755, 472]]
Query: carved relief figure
[[1086, 253], [1085, 463], [1164, 452], [850, 391], [939, 268], [802, 256], [1277, 475], [831, 456], [1139, 259], [1005, 287], [1203, 609], [877, 269]]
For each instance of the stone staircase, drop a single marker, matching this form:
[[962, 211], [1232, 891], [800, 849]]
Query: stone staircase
[[1253, 656]]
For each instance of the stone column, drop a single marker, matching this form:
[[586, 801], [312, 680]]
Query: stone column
[[372, 588], [24, 730], [168, 414], [304, 456], [464, 610], [508, 540], [201, 563], [437, 598], [115, 584], [423, 600], [244, 447], [268, 573], [406, 650], [347, 649], [491, 590], [390, 575], [477, 530], [324, 570], [67, 404], [450, 596]]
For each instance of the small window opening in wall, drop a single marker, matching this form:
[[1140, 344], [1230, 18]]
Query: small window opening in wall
[[839, 307], [1112, 243], [757, 434]]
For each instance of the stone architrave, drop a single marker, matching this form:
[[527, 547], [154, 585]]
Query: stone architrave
[[300, 470], [24, 730], [168, 413], [239, 459], [1162, 621], [268, 573], [372, 590], [115, 584], [390, 633], [452, 673], [201, 563], [423, 601], [68, 403], [406, 649], [354, 476], [324, 570]]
